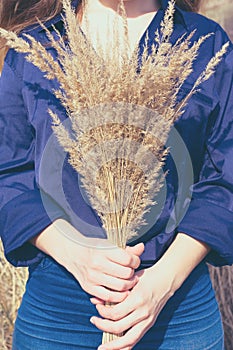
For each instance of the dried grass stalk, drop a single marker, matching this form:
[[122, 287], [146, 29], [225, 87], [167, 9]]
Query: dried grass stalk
[[12, 284], [222, 279], [120, 112]]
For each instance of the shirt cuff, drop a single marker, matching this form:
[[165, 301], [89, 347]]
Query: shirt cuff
[[23, 218], [213, 225]]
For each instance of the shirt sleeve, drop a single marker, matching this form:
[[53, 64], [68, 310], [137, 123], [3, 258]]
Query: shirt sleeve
[[22, 214], [210, 214]]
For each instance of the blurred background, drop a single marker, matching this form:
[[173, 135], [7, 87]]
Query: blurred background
[[221, 11], [12, 281]]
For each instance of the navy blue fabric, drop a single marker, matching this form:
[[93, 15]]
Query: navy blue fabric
[[206, 128], [190, 320]]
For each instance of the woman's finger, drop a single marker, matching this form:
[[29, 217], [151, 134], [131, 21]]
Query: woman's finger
[[124, 258], [117, 327], [97, 301], [129, 339], [116, 284], [107, 295], [114, 269], [121, 310], [138, 249]]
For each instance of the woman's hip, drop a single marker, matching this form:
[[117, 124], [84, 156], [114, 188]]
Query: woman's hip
[[55, 314]]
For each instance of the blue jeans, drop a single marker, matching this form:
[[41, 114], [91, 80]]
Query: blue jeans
[[55, 312]]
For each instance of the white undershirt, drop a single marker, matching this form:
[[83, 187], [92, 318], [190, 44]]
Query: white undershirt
[[98, 22]]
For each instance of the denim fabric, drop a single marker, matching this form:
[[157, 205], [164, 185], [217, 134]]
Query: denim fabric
[[205, 127], [55, 313]]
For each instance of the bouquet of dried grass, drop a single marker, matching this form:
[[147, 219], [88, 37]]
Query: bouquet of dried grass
[[120, 113]]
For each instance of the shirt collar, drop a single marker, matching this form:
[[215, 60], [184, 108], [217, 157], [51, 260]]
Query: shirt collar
[[164, 3], [58, 17]]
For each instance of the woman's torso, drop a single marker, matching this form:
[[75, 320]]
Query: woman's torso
[[55, 177]]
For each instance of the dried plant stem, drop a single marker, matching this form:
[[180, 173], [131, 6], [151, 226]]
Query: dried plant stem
[[108, 337]]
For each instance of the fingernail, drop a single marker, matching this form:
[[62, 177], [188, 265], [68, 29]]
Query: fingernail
[[92, 320], [136, 278]]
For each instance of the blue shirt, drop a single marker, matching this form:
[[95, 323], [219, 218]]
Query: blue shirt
[[30, 201]]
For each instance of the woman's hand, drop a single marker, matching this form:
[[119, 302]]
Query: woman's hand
[[138, 312], [104, 271]]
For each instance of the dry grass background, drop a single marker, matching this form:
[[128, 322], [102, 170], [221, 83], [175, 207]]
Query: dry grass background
[[12, 283], [222, 279]]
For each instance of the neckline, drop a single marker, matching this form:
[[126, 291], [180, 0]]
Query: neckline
[[151, 28], [98, 5], [141, 39], [148, 14], [75, 4]]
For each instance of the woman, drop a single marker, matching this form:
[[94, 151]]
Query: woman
[[161, 286]]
